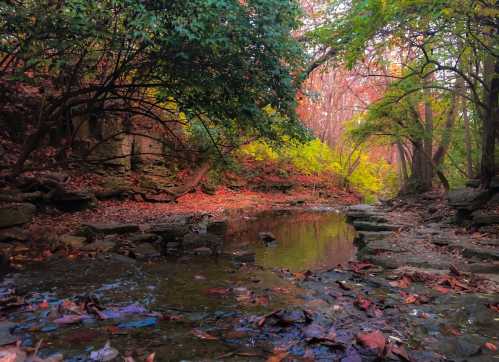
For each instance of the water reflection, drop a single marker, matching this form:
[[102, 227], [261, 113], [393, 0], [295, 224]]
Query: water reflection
[[306, 239]]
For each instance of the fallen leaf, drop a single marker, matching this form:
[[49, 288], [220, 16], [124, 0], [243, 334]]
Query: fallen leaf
[[362, 303], [404, 282], [372, 340], [490, 346], [203, 335], [441, 289]]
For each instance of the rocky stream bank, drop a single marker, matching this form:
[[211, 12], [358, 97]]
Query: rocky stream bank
[[421, 288]]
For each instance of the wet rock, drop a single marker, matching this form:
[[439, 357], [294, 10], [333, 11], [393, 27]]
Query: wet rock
[[5, 336], [16, 214], [267, 237], [217, 227], [73, 241], [13, 234], [73, 200], [99, 246], [372, 226], [107, 229]]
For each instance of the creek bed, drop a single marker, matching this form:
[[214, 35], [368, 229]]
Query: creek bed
[[175, 301]]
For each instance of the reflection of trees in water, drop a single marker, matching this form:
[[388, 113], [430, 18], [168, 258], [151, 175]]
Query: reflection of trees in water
[[306, 239]]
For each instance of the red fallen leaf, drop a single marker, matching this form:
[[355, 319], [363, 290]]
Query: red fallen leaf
[[403, 282], [494, 307], [150, 358], [203, 335], [362, 302], [441, 289], [400, 352], [452, 331], [43, 305], [424, 315], [357, 267], [218, 291], [490, 346], [411, 299], [372, 340]]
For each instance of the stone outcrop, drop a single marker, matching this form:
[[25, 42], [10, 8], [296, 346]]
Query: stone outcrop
[[16, 214]]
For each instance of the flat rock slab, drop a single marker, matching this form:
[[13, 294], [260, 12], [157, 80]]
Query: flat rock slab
[[381, 246], [373, 235], [16, 214], [100, 245], [107, 229], [470, 250], [372, 226], [468, 199], [484, 219]]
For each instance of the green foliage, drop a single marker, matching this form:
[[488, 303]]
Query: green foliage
[[221, 61]]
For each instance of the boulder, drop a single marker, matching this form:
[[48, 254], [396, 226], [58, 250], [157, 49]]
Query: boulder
[[16, 214], [217, 227], [169, 232], [468, 199], [482, 219], [73, 200], [108, 229]]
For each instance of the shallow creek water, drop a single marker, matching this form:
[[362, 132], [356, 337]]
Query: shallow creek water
[[194, 293]]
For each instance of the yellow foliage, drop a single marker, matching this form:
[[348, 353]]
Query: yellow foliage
[[369, 178]]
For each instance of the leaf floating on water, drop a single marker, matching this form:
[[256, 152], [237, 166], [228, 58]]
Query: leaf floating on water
[[107, 353], [490, 346], [203, 335], [150, 358]]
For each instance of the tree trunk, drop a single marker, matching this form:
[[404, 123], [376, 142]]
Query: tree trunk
[[403, 165], [428, 139], [467, 143], [490, 128]]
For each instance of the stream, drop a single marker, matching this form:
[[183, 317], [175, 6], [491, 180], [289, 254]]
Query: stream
[[184, 308]]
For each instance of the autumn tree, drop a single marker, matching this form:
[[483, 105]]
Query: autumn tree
[[451, 47]]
